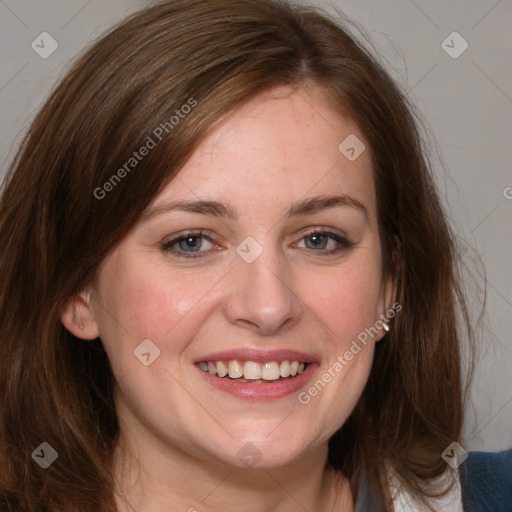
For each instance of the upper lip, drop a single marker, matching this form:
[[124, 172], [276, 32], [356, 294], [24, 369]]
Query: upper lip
[[259, 356]]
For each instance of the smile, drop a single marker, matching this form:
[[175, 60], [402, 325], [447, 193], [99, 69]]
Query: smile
[[254, 372], [269, 386]]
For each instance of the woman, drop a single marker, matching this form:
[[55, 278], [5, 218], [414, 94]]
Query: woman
[[228, 279]]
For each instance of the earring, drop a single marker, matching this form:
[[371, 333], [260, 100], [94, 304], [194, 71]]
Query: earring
[[386, 326], [78, 318]]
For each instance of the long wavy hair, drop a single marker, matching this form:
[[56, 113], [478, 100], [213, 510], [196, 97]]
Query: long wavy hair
[[56, 228]]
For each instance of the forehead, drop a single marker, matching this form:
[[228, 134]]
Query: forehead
[[284, 145]]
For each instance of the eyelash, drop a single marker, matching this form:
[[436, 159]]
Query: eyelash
[[166, 246]]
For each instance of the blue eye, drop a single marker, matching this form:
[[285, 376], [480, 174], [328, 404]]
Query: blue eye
[[188, 244], [320, 239], [192, 243]]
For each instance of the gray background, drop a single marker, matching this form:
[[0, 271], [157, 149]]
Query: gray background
[[466, 101]]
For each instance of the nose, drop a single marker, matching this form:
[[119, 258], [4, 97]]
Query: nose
[[262, 296]]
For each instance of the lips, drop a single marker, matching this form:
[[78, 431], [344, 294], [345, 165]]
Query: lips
[[257, 374]]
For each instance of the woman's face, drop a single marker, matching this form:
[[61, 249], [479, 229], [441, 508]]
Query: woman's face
[[256, 287]]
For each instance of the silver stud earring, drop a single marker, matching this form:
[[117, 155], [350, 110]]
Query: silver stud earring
[[386, 326]]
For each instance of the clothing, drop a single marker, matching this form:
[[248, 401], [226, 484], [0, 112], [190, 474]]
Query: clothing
[[487, 482], [484, 485]]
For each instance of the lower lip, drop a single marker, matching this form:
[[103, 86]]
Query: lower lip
[[261, 391]]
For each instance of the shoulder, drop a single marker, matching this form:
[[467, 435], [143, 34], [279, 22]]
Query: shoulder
[[482, 484], [486, 479]]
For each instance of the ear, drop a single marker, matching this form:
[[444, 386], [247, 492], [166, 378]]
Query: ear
[[78, 317]]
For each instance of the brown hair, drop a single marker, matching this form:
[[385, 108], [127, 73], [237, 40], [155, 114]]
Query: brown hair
[[55, 229]]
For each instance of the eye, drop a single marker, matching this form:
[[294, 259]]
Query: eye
[[188, 244], [320, 239]]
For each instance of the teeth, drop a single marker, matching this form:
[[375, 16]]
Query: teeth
[[212, 368], [270, 371], [221, 369], [250, 370], [235, 370]]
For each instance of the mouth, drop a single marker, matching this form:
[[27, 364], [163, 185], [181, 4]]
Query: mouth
[[253, 371], [257, 375]]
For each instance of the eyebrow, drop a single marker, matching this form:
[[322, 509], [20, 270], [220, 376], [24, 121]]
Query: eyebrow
[[225, 210]]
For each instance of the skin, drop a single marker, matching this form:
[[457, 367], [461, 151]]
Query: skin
[[180, 436]]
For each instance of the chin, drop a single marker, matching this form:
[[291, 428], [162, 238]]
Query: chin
[[267, 448]]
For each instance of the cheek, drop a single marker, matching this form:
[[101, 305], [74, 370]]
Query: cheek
[[348, 308], [140, 301], [146, 298], [346, 300], [146, 301]]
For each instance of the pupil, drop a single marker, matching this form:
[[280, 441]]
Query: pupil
[[316, 240], [190, 242]]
